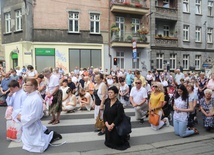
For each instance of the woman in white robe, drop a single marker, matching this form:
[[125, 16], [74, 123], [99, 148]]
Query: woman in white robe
[[33, 137]]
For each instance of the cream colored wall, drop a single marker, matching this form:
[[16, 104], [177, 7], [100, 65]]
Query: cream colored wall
[[61, 52]]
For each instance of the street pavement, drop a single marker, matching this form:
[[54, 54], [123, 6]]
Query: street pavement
[[78, 134]]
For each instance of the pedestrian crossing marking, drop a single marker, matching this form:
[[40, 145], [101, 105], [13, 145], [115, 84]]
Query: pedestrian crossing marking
[[92, 136]]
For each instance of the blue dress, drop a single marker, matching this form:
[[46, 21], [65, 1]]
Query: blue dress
[[207, 121]]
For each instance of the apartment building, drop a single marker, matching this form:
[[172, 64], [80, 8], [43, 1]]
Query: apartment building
[[129, 40], [53, 33], [182, 34]]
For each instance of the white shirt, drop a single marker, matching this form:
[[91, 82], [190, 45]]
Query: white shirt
[[181, 116], [52, 83], [138, 95]]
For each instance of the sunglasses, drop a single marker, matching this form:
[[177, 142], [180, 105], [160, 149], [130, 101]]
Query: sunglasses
[[155, 86], [137, 82]]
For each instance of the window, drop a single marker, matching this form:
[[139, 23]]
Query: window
[[95, 23], [210, 8], [166, 3], [198, 34], [198, 6], [120, 59], [18, 14], [185, 62], [73, 21], [159, 61], [135, 25], [210, 35], [156, 2], [185, 5], [136, 64], [166, 30], [198, 62], [7, 22], [172, 61], [83, 58], [120, 22], [186, 33]]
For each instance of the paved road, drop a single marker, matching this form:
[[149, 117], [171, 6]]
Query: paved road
[[77, 130]]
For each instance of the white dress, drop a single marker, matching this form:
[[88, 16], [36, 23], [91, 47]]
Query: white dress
[[33, 137]]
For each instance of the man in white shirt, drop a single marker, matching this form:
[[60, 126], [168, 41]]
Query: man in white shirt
[[179, 75], [138, 98]]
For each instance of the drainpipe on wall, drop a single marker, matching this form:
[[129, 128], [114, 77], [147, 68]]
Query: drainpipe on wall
[[109, 35]]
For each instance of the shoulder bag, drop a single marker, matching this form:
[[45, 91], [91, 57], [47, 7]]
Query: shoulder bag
[[154, 118], [99, 122], [124, 128]]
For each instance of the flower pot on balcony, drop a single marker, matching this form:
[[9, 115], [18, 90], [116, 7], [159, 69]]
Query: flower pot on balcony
[[138, 5]]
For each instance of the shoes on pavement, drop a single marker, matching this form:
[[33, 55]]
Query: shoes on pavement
[[141, 120], [101, 133], [97, 130], [166, 121]]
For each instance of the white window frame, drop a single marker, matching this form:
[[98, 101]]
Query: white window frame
[[210, 8], [120, 59], [186, 62], [74, 18], [186, 32], [172, 61], [94, 22], [159, 61], [198, 7], [166, 30], [197, 62], [18, 14], [7, 20], [210, 35], [166, 3], [135, 25], [186, 6], [198, 34]]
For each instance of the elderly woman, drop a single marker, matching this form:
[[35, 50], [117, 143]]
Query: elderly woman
[[210, 84], [156, 103], [113, 116], [55, 94], [207, 108]]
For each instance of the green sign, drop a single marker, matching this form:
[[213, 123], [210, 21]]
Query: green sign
[[14, 56], [45, 52]]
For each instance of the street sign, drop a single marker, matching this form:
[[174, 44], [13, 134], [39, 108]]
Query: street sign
[[206, 65]]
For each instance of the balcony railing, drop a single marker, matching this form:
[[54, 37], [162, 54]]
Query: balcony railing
[[166, 41], [166, 13], [129, 6], [127, 38]]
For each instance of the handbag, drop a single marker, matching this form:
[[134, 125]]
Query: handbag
[[14, 130], [126, 98], [154, 118], [99, 122], [124, 128]]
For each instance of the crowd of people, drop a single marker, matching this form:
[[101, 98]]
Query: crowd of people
[[173, 96]]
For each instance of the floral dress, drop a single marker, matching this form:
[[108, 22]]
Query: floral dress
[[207, 121]]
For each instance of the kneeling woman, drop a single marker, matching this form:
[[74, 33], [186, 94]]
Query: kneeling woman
[[182, 106], [113, 115], [33, 137]]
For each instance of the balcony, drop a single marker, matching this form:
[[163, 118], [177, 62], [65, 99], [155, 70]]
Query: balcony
[[129, 7], [166, 13], [126, 39], [166, 41]]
